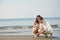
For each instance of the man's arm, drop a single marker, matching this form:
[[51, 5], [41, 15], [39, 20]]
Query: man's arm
[[41, 27]]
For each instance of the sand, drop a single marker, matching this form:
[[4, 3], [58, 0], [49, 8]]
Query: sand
[[56, 36], [25, 37]]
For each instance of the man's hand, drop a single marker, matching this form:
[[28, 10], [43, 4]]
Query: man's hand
[[42, 28]]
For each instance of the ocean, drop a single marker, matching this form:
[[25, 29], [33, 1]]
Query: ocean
[[24, 25], [27, 21]]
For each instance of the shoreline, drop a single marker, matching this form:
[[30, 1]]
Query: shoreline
[[25, 37], [25, 34]]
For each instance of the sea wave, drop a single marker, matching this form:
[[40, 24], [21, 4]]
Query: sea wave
[[23, 27]]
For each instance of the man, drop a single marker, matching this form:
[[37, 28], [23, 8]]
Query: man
[[45, 27]]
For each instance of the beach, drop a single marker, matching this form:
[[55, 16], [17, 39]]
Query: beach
[[26, 34], [25, 37], [21, 29], [21, 19]]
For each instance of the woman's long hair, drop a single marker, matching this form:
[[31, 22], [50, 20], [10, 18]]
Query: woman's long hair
[[37, 19]]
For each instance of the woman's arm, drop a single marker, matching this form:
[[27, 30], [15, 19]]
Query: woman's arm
[[35, 25]]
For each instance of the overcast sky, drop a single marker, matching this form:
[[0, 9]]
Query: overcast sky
[[29, 8]]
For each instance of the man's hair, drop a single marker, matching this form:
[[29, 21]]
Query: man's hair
[[41, 18]]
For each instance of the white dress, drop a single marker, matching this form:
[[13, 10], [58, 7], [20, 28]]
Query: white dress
[[47, 27]]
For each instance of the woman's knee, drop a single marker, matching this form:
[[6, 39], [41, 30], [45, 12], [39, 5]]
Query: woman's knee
[[35, 31], [36, 27]]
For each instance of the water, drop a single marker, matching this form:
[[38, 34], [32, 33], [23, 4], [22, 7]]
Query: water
[[53, 20], [16, 22], [27, 21], [7, 25]]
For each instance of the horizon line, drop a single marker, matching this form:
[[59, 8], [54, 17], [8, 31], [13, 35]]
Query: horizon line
[[29, 17]]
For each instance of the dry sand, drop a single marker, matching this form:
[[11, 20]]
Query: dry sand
[[25, 37]]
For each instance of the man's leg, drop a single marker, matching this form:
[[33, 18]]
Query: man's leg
[[45, 34]]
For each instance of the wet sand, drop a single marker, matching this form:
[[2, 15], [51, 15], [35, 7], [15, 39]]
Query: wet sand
[[25, 37]]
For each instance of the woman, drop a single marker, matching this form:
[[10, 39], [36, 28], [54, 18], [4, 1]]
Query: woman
[[36, 26], [41, 27]]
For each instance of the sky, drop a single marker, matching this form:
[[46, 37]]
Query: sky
[[29, 8]]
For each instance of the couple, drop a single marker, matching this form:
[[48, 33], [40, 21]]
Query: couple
[[41, 27]]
